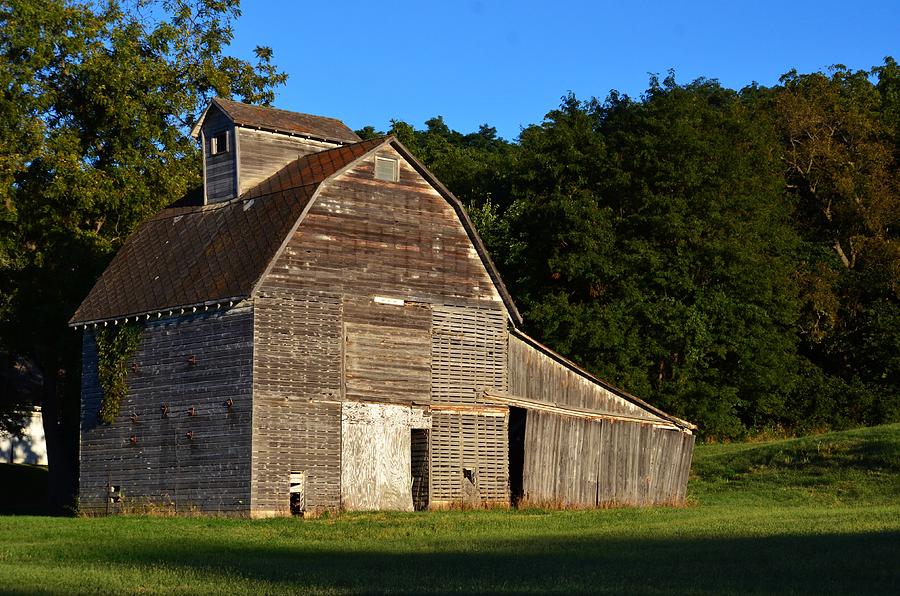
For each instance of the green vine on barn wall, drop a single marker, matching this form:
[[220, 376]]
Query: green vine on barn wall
[[115, 347]]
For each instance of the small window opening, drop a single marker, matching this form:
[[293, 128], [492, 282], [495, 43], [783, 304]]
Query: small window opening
[[387, 168], [115, 493], [298, 493], [218, 143]]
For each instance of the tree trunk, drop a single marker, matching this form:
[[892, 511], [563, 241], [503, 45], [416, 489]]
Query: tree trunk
[[62, 444], [840, 251]]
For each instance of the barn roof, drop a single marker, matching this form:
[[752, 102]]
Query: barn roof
[[283, 121], [189, 256], [185, 257], [678, 422]]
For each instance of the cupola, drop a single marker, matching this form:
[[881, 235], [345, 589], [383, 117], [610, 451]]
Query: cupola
[[243, 144]]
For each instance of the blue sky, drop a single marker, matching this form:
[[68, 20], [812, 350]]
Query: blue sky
[[508, 63]]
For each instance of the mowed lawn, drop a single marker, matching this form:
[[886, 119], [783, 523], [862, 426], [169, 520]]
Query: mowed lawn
[[814, 515]]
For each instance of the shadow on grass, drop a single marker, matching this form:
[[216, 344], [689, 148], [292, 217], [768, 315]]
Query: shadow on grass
[[839, 563], [24, 489]]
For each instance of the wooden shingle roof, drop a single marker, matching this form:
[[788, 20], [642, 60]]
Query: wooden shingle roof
[[283, 121], [189, 256]]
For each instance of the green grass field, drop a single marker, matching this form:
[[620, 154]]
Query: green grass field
[[811, 516]]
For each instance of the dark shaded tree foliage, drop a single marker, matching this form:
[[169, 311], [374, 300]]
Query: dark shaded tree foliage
[[659, 250], [730, 256], [95, 112]]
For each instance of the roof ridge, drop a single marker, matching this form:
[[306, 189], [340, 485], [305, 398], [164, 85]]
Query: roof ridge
[[273, 108], [279, 120]]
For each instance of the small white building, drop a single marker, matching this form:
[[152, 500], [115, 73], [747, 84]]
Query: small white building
[[31, 447]]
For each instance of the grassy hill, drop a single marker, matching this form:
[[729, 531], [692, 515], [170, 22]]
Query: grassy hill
[[856, 467], [813, 515]]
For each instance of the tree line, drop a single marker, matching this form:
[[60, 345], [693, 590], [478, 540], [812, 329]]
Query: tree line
[[730, 256]]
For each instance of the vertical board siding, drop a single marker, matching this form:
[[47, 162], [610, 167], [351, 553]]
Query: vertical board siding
[[297, 386], [587, 462], [536, 376], [478, 442], [163, 468], [263, 153]]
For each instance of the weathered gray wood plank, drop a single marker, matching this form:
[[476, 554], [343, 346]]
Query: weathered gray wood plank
[[162, 467]]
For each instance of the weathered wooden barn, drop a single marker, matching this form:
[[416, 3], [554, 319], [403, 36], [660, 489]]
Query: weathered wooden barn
[[324, 329]]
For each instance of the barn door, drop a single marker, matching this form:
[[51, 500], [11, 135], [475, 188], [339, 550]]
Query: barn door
[[387, 369], [376, 455]]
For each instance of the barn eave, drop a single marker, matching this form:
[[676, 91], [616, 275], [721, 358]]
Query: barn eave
[[161, 313], [562, 360]]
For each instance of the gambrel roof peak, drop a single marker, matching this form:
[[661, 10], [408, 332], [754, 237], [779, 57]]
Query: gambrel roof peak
[[189, 257]]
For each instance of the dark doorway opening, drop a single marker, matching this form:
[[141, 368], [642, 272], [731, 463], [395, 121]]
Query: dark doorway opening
[[298, 492], [516, 435], [419, 464]]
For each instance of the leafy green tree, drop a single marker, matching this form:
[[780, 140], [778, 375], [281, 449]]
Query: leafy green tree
[[654, 247], [840, 138], [730, 256], [97, 102]]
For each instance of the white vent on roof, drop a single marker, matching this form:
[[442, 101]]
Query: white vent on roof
[[387, 168]]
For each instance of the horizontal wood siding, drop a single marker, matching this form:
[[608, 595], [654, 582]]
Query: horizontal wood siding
[[365, 237], [536, 376], [220, 177], [387, 353], [473, 441], [263, 153], [579, 461], [220, 168], [297, 386], [163, 467]]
